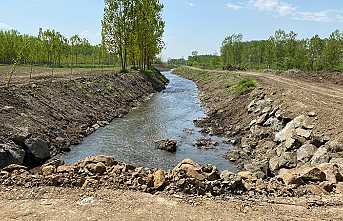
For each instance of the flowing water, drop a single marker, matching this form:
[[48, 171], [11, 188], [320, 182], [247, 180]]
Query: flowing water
[[166, 115]]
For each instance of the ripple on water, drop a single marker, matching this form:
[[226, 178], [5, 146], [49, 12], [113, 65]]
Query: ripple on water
[[164, 115]]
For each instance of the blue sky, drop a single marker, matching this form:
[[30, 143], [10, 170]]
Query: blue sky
[[191, 24]]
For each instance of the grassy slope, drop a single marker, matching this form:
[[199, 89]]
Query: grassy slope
[[229, 82]]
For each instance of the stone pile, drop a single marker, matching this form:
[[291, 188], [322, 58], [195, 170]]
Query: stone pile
[[187, 177]]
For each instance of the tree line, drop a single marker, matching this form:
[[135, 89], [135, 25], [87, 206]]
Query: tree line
[[133, 31], [51, 48], [285, 51]]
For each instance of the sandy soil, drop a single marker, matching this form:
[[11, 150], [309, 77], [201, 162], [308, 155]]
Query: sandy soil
[[106, 204]]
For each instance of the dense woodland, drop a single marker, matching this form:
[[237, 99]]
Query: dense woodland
[[51, 48], [133, 30], [282, 51]]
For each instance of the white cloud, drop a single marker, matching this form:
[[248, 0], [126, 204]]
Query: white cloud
[[190, 4], [233, 6], [277, 6], [4, 26], [283, 8]]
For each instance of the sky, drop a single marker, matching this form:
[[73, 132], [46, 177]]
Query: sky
[[191, 25]]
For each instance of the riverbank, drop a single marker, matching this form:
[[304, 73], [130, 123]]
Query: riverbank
[[280, 128], [43, 118]]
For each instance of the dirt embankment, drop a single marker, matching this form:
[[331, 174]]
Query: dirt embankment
[[285, 129], [43, 118]]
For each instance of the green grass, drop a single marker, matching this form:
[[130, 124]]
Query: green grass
[[243, 86], [230, 83]]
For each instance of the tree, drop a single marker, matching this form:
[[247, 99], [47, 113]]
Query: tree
[[133, 30]]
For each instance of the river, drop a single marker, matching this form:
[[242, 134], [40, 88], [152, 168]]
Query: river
[[166, 115]]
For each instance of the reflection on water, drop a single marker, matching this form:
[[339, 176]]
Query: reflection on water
[[165, 115]]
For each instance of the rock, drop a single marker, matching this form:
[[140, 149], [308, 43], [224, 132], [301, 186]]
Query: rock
[[167, 145], [96, 168], [233, 155], [292, 143], [10, 153], [210, 172], [65, 169], [48, 170], [54, 162], [288, 160], [337, 161], [37, 150], [205, 143], [333, 172], [320, 156], [96, 126], [159, 179], [266, 110], [290, 176], [226, 175], [107, 160], [259, 168], [274, 123], [189, 167], [335, 147], [319, 140], [327, 186], [262, 119], [274, 164], [312, 174], [20, 137], [103, 123], [303, 133], [252, 123], [87, 201], [306, 152], [313, 189], [311, 114], [289, 131], [246, 175], [13, 167]]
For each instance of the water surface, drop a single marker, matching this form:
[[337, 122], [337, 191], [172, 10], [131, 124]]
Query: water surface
[[168, 114]]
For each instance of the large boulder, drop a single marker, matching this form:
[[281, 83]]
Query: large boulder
[[320, 156], [10, 153], [289, 130], [106, 160], [37, 151], [159, 179], [96, 168], [190, 168], [306, 152]]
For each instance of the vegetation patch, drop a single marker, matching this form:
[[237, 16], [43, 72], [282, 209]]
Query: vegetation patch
[[243, 86]]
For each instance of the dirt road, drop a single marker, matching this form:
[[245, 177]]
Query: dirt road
[[104, 204], [299, 96]]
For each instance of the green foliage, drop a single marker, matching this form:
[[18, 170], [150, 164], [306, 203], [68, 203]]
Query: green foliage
[[133, 30], [50, 48], [284, 51], [205, 61], [155, 74], [243, 86], [229, 82]]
